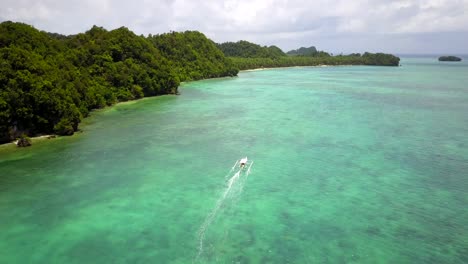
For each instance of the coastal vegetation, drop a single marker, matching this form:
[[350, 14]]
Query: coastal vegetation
[[49, 82], [246, 55], [449, 58], [376, 59]]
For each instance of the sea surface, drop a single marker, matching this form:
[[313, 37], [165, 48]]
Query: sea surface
[[351, 164]]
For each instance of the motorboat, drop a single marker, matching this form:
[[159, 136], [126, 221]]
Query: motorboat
[[243, 162]]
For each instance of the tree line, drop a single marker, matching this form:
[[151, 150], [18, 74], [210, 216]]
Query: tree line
[[374, 59], [246, 55]]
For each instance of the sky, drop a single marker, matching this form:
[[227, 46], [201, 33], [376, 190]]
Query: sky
[[337, 26]]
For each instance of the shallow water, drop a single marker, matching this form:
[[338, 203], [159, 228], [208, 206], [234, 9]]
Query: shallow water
[[351, 165]]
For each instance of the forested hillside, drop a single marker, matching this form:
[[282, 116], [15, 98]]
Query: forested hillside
[[308, 52], [49, 82], [193, 56], [245, 49]]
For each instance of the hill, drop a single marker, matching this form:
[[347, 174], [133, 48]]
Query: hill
[[308, 52], [193, 56], [245, 49]]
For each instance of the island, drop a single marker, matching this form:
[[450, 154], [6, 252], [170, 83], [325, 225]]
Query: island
[[49, 82], [449, 58]]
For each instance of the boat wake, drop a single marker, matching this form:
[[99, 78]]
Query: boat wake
[[236, 179]]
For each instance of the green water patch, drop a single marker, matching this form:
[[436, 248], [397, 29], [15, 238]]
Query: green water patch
[[352, 165]]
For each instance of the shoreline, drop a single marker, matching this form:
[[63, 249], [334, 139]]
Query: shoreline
[[286, 67], [53, 136], [12, 146], [41, 137], [34, 138]]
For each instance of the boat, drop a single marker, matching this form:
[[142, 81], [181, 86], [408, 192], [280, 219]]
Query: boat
[[243, 162]]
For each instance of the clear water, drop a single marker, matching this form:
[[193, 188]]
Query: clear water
[[351, 165]]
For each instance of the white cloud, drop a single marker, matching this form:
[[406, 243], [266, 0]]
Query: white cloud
[[264, 21]]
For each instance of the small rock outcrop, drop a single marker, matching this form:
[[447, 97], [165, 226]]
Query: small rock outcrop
[[24, 141], [449, 58]]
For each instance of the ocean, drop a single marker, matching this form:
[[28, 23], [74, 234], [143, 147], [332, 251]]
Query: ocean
[[347, 164]]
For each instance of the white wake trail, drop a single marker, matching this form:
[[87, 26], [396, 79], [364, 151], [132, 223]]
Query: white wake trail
[[229, 192], [232, 169]]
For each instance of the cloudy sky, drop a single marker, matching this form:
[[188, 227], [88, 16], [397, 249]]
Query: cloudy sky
[[396, 26]]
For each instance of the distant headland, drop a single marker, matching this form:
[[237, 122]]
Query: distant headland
[[50, 82], [449, 58]]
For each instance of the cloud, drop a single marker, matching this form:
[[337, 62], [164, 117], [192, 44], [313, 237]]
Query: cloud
[[288, 23]]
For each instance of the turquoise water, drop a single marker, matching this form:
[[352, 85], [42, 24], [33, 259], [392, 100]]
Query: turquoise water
[[351, 165]]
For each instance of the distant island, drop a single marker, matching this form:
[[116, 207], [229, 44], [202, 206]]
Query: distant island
[[449, 58], [310, 51], [50, 82], [302, 51]]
